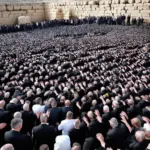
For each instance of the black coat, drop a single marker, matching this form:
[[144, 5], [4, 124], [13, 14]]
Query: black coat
[[55, 116], [5, 117], [18, 140], [116, 137], [11, 107], [44, 134], [29, 119], [64, 112]]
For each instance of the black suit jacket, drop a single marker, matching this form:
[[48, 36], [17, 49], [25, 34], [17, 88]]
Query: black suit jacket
[[64, 112], [5, 117], [133, 111], [55, 116], [76, 136], [116, 137], [11, 107], [29, 119], [44, 134], [18, 140]]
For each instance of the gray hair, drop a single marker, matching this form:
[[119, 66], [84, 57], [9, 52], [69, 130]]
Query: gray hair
[[26, 107], [105, 108], [114, 122], [7, 147], [115, 103], [14, 100], [17, 115], [140, 134], [7, 94], [16, 122]]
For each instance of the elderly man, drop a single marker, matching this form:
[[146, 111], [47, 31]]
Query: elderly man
[[29, 119], [44, 134], [18, 140]]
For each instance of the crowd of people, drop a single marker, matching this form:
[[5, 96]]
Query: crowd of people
[[84, 87], [120, 20]]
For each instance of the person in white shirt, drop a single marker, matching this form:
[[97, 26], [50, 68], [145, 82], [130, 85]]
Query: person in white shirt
[[68, 124]]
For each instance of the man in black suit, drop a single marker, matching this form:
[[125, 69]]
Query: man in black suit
[[76, 134], [132, 111], [116, 137], [13, 106], [29, 119], [44, 134], [14, 137], [65, 109], [54, 114], [5, 118]]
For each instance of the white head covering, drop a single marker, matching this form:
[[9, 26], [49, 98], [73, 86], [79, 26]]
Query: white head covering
[[147, 127], [38, 108], [62, 143]]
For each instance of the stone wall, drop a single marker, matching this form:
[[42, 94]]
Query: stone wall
[[81, 9], [71, 9], [9, 13]]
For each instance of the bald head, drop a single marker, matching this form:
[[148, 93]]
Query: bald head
[[136, 122], [7, 147], [43, 118], [130, 102], [77, 123], [2, 104], [90, 114], [67, 103]]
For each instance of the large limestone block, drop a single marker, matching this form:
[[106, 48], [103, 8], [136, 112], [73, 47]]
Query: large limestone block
[[26, 7], [37, 18], [40, 11], [145, 13], [5, 14], [138, 1], [101, 2], [146, 4], [131, 1], [10, 7], [24, 19], [123, 1], [145, 1], [147, 19], [8, 21], [2, 7], [17, 7], [31, 11], [115, 1], [94, 2], [108, 2]]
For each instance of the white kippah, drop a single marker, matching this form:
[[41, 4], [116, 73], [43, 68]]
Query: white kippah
[[147, 127]]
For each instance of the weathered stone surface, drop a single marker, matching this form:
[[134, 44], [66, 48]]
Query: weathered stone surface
[[17, 7], [10, 7], [2, 7], [26, 7]]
